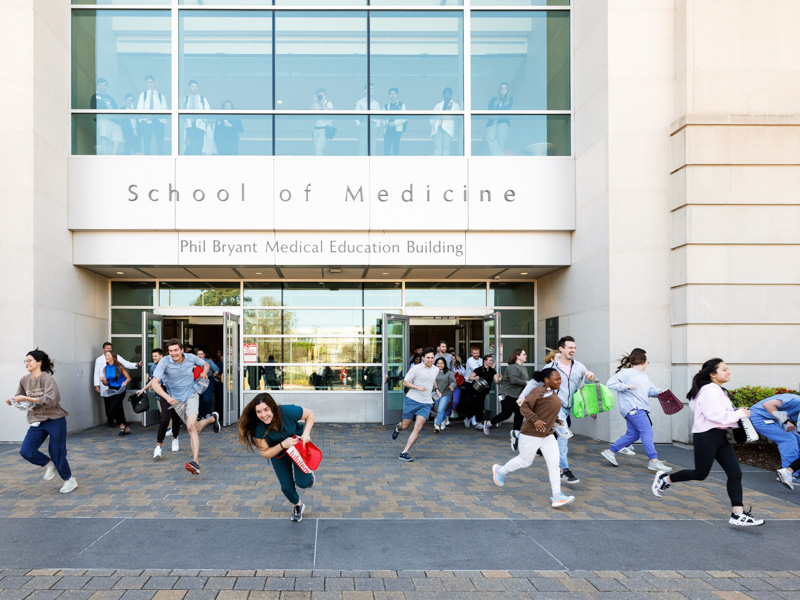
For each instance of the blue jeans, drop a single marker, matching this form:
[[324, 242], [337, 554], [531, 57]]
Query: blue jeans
[[57, 430], [441, 408], [563, 443], [638, 427]]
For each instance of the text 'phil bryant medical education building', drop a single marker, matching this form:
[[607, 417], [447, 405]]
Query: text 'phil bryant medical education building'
[[312, 187]]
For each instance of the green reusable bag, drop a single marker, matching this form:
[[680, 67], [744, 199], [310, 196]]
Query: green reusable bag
[[591, 399]]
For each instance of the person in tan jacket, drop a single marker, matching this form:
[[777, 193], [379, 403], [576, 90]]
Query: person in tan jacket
[[540, 409]]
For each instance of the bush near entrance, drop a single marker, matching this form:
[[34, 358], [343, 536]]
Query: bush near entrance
[[749, 395]]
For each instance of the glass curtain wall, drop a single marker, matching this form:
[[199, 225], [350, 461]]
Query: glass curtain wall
[[301, 336], [321, 77]]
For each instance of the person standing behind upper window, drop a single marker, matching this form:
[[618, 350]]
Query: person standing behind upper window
[[363, 124], [150, 100], [497, 129], [109, 132], [394, 127], [227, 133], [320, 138], [199, 132], [444, 129]]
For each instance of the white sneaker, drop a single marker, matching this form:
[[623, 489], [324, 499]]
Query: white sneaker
[[49, 471], [169, 433], [474, 422], [175, 445], [446, 423], [157, 453], [609, 456], [627, 450], [69, 485], [466, 423], [784, 476], [745, 519], [657, 465], [436, 428]]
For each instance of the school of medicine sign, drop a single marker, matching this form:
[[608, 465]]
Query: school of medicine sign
[[312, 210]]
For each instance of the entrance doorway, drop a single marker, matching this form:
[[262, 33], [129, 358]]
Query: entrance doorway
[[217, 336], [402, 332]]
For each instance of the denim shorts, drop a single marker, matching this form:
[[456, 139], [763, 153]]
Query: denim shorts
[[412, 408]]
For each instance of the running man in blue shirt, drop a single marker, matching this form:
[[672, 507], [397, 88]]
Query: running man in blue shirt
[[176, 370]]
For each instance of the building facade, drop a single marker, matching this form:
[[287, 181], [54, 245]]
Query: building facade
[[313, 187]]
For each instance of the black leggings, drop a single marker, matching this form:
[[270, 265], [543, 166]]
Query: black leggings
[[710, 445], [471, 404], [509, 407], [167, 415], [116, 408]]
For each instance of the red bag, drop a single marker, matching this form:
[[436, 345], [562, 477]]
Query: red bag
[[197, 371], [306, 456], [669, 403], [459, 379]]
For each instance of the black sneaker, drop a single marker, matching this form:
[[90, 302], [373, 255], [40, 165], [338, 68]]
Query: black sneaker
[[514, 440], [395, 433], [215, 425], [745, 519], [404, 456], [297, 512], [193, 468], [568, 477]]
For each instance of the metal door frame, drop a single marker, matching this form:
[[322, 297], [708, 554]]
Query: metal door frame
[[232, 398], [393, 416], [498, 350], [153, 414]]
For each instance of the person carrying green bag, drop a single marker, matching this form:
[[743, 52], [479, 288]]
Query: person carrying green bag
[[572, 375]]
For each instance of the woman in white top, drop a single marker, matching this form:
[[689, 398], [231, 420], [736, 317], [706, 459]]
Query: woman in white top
[[714, 415]]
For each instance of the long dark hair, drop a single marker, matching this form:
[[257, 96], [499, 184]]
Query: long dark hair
[[117, 365], [441, 358], [514, 355], [248, 421], [636, 357], [41, 356], [703, 377]]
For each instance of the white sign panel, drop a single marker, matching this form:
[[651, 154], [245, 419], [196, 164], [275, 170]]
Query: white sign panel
[[210, 190], [303, 248], [326, 194], [250, 352]]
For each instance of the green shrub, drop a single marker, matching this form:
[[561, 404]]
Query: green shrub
[[749, 395]]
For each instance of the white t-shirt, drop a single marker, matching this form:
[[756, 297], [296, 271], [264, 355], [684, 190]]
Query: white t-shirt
[[472, 364], [421, 376]]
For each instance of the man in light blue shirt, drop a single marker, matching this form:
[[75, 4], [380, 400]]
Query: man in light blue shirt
[[572, 375], [177, 372]]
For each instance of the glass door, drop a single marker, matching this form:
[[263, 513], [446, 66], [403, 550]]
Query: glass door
[[492, 344], [152, 334], [232, 369], [395, 364]]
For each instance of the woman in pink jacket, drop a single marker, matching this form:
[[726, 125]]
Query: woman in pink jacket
[[714, 415]]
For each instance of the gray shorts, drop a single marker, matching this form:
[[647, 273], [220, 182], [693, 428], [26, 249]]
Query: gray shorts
[[188, 408]]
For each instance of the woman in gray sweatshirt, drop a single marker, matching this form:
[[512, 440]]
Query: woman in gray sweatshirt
[[514, 380]]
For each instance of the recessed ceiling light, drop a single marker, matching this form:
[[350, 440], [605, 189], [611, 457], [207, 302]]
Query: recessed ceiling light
[[120, 272], [523, 273], [334, 270], [385, 273], [258, 273]]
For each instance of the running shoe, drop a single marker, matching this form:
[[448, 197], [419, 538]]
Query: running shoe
[[560, 500], [657, 465], [193, 468], [466, 423], [215, 425], [473, 422], [69, 485], [157, 453], [446, 423], [169, 433], [498, 477], [405, 457], [514, 440], [660, 484], [609, 456], [784, 476], [175, 445], [297, 512], [395, 433], [479, 426], [568, 477], [50, 471], [627, 450], [745, 519], [487, 425], [436, 428]]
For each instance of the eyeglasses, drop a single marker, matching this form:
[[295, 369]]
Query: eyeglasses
[[28, 361]]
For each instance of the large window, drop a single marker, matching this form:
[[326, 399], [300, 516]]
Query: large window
[[321, 77]]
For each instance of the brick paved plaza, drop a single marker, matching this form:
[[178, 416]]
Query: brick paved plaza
[[380, 528]]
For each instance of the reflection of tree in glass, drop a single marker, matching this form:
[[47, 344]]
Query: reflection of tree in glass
[[218, 297], [268, 322]]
